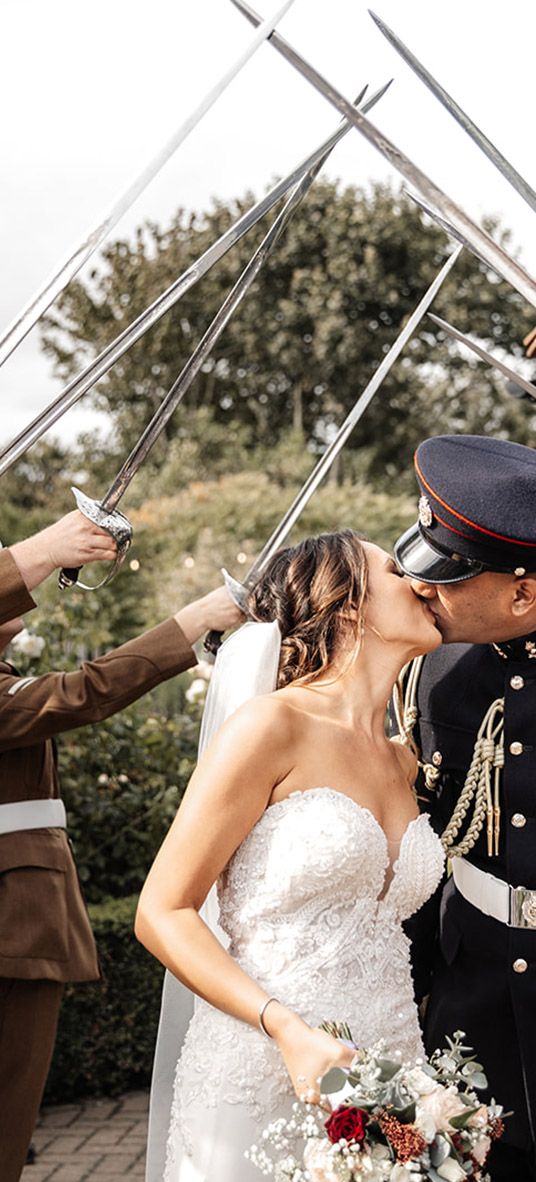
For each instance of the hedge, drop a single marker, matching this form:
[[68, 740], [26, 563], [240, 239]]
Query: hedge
[[107, 1031]]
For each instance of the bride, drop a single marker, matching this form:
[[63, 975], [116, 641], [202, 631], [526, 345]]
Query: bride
[[304, 814]]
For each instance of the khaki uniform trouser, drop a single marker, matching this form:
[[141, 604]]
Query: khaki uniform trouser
[[28, 1021]]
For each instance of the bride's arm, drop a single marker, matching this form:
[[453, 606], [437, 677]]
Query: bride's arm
[[227, 795]]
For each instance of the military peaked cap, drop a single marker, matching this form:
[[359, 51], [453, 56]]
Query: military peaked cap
[[477, 510]]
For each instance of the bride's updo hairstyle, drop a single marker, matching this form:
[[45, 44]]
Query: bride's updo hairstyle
[[316, 592]]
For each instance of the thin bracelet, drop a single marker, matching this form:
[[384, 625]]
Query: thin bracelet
[[262, 1010]]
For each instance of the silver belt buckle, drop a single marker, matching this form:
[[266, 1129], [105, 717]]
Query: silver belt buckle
[[522, 908]]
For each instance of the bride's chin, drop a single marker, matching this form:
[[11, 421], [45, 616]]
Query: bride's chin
[[427, 641], [433, 639]]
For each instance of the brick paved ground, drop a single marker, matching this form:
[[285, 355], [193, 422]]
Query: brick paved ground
[[97, 1140]]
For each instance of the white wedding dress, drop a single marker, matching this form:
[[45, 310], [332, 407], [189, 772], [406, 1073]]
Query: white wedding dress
[[313, 909]]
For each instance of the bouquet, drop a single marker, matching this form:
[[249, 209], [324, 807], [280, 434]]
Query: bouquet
[[392, 1122]]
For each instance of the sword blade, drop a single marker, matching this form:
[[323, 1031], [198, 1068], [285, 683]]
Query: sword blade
[[177, 392], [484, 355], [481, 242], [326, 460], [504, 166], [98, 368], [44, 297]]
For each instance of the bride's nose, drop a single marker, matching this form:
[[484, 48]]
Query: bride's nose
[[423, 590]]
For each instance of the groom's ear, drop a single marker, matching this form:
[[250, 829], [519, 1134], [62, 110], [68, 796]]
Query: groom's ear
[[523, 602]]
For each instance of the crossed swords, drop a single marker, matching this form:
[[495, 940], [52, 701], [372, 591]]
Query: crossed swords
[[444, 211], [44, 297]]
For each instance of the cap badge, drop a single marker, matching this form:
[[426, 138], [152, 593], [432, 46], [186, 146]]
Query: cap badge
[[426, 516]]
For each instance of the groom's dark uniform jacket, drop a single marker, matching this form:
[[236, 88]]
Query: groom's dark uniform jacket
[[45, 935], [481, 974], [477, 516]]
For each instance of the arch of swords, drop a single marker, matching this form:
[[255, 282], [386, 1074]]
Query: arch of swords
[[460, 229]]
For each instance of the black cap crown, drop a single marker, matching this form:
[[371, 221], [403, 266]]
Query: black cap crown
[[477, 510]]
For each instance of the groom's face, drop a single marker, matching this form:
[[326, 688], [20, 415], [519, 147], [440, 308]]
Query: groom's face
[[489, 607]]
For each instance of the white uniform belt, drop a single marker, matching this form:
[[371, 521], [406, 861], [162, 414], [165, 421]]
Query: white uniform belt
[[32, 814], [514, 906]]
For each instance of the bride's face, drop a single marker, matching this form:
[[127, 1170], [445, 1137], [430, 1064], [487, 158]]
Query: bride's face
[[392, 610]]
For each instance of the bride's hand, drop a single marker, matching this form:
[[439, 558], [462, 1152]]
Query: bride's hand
[[307, 1051]]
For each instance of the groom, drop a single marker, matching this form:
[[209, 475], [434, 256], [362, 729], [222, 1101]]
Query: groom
[[472, 558]]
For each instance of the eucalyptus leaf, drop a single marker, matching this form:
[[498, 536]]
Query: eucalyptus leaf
[[439, 1151], [405, 1115], [333, 1081], [388, 1069], [446, 1063], [461, 1121], [479, 1080]]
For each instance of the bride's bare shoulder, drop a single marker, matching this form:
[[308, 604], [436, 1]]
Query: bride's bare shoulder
[[263, 718]]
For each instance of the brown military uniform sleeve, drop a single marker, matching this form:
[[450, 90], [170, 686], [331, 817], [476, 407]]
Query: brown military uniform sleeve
[[15, 599], [33, 709], [44, 928]]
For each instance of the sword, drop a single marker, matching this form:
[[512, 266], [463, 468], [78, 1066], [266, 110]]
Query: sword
[[32, 312], [84, 381], [282, 530], [504, 166], [494, 362], [477, 239], [100, 510], [443, 222]]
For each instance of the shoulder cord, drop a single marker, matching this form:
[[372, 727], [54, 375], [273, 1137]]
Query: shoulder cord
[[488, 757], [405, 703]]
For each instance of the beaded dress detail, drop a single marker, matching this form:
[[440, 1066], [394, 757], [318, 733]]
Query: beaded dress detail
[[313, 909]]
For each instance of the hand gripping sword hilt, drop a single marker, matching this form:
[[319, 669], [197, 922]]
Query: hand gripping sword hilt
[[115, 523], [239, 594]]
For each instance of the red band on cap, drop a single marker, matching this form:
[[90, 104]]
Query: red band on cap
[[480, 528]]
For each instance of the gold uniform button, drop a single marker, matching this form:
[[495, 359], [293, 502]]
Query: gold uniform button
[[518, 820], [520, 965], [516, 748], [437, 759], [517, 682]]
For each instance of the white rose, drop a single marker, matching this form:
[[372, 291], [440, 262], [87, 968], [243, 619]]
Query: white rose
[[401, 1173], [435, 1111], [321, 1166], [452, 1171], [479, 1119], [28, 644], [196, 690], [481, 1149], [420, 1083]]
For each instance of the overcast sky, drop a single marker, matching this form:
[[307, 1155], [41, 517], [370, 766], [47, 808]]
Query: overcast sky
[[90, 91]]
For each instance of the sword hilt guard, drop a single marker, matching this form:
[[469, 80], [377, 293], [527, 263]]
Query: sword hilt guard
[[115, 523], [239, 594], [212, 642]]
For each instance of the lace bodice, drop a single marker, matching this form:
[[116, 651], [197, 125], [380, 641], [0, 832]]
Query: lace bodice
[[308, 914]]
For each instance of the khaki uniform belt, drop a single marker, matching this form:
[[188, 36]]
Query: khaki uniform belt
[[32, 814], [513, 906]]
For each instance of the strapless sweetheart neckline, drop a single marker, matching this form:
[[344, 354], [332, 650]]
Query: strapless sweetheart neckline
[[345, 796], [390, 866]]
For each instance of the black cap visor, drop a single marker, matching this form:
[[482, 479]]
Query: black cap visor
[[416, 557]]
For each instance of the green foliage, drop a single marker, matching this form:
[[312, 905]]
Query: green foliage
[[350, 268], [225, 523], [122, 782], [106, 1035]]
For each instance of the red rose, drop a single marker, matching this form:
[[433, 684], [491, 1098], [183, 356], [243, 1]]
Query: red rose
[[347, 1122]]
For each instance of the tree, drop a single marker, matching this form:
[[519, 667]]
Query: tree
[[326, 307]]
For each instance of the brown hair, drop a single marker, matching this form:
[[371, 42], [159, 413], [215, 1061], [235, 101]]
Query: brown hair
[[316, 592]]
